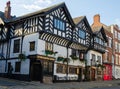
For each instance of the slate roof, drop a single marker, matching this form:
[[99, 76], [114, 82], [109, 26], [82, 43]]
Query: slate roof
[[78, 19], [96, 29], [39, 12], [3, 17]]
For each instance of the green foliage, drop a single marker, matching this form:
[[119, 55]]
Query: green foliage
[[102, 66], [60, 58], [49, 52], [66, 60], [74, 57], [22, 57]]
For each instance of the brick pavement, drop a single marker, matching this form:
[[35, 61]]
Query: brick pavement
[[15, 84]]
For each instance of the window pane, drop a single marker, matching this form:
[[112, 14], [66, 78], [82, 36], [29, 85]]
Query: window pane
[[59, 24], [16, 47], [48, 46], [17, 66], [32, 46], [47, 67], [82, 34]]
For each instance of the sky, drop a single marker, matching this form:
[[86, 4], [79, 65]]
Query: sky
[[107, 9]]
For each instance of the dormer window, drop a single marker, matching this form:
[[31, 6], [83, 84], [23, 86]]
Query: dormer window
[[59, 24]]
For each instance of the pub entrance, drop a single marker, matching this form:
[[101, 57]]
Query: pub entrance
[[36, 71]]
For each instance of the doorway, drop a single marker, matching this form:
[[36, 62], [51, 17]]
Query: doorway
[[80, 74], [92, 74], [36, 71]]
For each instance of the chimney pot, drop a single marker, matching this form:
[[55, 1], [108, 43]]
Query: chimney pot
[[8, 10], [97, 18]]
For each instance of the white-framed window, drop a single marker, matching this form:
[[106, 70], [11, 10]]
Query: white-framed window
[[115, 35], [115, 46], [116, 58], [110, 42], [118, 36]]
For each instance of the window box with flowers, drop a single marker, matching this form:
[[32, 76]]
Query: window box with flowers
[[50, 52]]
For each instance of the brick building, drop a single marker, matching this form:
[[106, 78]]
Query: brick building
[[108, 55]]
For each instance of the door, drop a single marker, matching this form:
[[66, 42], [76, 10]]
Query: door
[[80, 74], [36, 71], [93, 74]]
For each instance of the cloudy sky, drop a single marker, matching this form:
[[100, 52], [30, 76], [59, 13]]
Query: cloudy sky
[[108, 9]]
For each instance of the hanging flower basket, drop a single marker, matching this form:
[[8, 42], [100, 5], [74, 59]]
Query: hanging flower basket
[[74, 57], [22, 57], [49, 52], [66, 60], [60, 58]]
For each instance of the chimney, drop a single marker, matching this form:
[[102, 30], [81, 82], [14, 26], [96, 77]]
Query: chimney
[[96, 19], [8, 10]]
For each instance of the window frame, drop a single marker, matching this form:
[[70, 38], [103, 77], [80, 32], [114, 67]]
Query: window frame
[[16, 46], [81, 34], [48, 46], [59, 24], [17, 66], [32, 46]]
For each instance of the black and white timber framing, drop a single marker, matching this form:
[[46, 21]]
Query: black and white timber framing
[[99, 39], [54, 25]]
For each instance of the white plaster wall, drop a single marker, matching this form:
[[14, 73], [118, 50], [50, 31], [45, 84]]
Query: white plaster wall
[[12, 55], [62, 51], [4, 45], [24, 66], [117, 72], [26, 44], [41, 47], [2, 66], [89, 57]]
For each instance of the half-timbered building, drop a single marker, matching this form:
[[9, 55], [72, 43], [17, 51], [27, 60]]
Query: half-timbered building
[[94, 56], [42, 45]]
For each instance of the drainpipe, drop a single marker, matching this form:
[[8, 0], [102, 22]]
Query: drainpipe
[[67, 65]]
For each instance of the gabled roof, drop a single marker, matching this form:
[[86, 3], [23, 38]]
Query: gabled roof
[[3, 19], [78, 20], [97, 30], [45, 11]]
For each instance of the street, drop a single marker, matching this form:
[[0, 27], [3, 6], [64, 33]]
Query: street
[[6, 83], [112, 87]]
